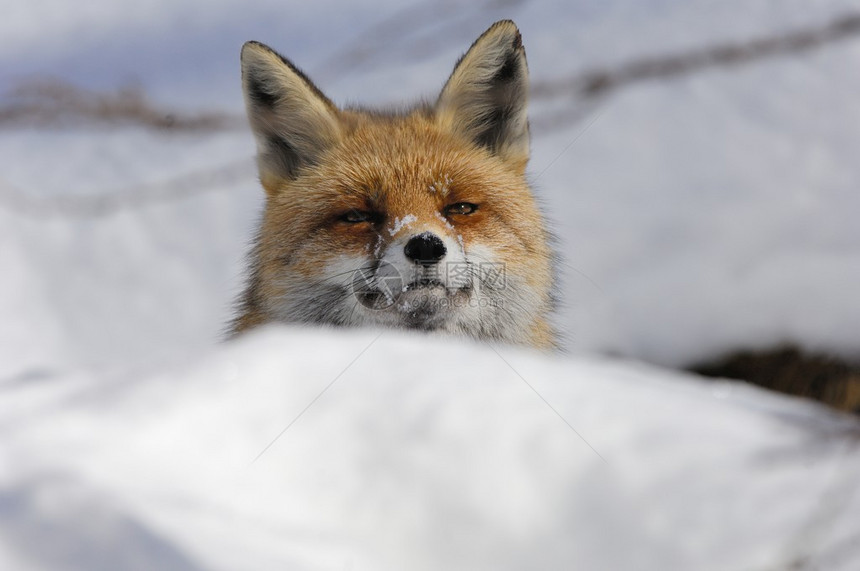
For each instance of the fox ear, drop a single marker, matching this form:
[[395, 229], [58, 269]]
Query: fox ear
[[486, 96], [292, 120]]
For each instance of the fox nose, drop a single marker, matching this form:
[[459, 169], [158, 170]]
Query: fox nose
[[425, 249]]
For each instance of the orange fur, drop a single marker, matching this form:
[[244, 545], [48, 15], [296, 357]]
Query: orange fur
[[400, 167]]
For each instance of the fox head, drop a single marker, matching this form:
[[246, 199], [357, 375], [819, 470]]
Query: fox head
[[420, 219]]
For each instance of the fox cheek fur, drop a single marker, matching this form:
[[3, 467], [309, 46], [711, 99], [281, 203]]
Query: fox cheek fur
[[434, 198]]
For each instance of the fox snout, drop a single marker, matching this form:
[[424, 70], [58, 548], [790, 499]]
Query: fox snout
[[425, 249], [426, 258]]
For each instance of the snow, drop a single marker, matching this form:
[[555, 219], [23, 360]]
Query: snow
[[445, 222], [440, 186], [694, 216], [401, 223], [402, 465]]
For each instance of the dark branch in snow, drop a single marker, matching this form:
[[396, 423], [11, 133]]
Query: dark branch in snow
[[601, 82], [55, 103]]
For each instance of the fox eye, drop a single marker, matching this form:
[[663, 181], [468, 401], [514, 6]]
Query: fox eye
[[460, 208], [358, 216]]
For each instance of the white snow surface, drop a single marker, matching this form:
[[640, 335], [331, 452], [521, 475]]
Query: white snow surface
[[400, 463], [694, 216]]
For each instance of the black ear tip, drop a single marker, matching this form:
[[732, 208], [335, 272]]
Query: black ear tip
[[518, 41], [505, 28], [505, 24], [251, 47]]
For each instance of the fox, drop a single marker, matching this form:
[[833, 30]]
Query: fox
[[420, 218]]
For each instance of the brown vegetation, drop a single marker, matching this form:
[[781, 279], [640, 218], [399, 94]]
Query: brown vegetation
[[790, 370]]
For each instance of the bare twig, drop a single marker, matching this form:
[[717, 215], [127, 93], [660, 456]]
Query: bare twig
[[602, 81], [51, 103]]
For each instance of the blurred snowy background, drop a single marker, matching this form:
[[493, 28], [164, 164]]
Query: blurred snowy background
[[696, 214], [699, 163]]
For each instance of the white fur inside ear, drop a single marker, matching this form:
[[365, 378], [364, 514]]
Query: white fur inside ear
[[292, 121], [486, 97]]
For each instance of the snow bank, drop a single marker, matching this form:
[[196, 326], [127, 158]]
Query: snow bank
[[386, 451]]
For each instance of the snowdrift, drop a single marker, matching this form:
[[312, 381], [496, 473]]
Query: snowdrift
[[313, 449]]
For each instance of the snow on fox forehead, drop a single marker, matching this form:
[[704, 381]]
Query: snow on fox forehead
[[441, 185]]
